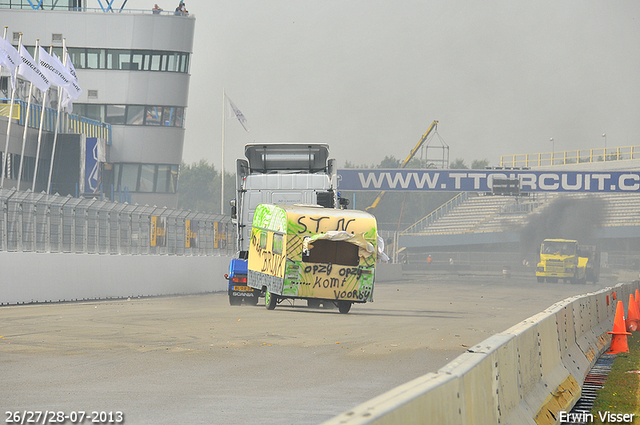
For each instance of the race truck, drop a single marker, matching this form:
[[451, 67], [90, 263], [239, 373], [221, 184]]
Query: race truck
[[281, 174], [565, 259]]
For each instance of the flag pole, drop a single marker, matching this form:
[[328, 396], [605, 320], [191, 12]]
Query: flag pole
[[4, 35], [55, 134], [26, 119], [224, 104], [4, 154], [42, 115], [6, 143]]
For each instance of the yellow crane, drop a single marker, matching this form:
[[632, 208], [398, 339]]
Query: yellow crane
[[413, 152]]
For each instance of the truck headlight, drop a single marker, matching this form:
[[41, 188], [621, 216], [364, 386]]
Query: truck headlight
[[540, 269], [568, 269]]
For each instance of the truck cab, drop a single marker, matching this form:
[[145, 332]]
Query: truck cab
[[238, 289], [561, 259], [281, 174]]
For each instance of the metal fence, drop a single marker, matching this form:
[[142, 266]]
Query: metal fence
[[37, 222]]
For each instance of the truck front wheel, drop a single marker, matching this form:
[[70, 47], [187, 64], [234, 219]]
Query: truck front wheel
[[270, 300], [540, 279]]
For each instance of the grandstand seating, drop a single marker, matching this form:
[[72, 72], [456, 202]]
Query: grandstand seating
[[478, 213]]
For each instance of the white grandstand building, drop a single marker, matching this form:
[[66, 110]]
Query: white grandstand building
[[133, 68]]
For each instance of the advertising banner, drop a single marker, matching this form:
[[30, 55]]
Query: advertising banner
[[482, 180], [158, 231], [219, 235], [94, 157], [191, 234]]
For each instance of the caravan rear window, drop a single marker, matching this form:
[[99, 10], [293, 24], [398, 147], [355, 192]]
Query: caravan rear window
[[334, 252], [277, 243], [263, 240]]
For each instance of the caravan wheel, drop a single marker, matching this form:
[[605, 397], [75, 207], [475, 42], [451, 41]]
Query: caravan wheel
[[344, 306], [270, 300]]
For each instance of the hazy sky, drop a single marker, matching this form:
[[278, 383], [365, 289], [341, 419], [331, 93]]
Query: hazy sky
[[368, 77]]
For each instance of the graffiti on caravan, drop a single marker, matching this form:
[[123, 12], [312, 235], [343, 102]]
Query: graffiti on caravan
[[482, 180]]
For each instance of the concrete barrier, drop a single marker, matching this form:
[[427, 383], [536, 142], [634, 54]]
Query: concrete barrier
[[523, 376], [27, 277], [386, 272], [42, 277]]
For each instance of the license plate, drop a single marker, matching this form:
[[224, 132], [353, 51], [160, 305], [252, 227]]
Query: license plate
[[242, 288]]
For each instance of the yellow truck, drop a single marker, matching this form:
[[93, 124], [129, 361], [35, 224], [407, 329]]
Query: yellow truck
[[565, 259], [322, 255]]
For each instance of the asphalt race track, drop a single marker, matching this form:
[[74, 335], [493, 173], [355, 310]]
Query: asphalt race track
[[195, 359]]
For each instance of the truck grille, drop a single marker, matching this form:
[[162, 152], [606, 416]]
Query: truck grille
[[555, 266]]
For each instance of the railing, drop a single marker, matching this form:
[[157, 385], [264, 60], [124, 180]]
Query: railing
[[69, 123], [624, 153], [442, 210], [102, 9], [37, 222]]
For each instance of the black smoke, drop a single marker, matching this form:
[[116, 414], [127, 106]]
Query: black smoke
[[567, 217]]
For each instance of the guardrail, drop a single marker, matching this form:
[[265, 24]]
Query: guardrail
[[37, 222], [525, 375]]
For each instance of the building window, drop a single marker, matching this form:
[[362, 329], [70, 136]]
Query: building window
[[173, 179], [170, 116], [137, 60], [135, 115], [154, 115], [129, 177], [115, 114], [125, 59], [155, 62], [162, 183], [95, 112], [44, 5], [179, 115], [146, 178], [95, 58]]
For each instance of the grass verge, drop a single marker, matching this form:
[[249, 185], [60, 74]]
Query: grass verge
[[621, 392]]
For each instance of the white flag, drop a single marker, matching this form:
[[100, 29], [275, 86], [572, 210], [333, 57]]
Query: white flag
[[235, 112], [29, 70], [54, 70], [71, 68], [9, 58], [66, 102], [73, 91]]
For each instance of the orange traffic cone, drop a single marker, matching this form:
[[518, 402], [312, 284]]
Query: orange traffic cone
[[614, 295], [633, 315], [619, 338], [638, 299]]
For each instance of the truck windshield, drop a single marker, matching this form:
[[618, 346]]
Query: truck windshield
[[558, 248]]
